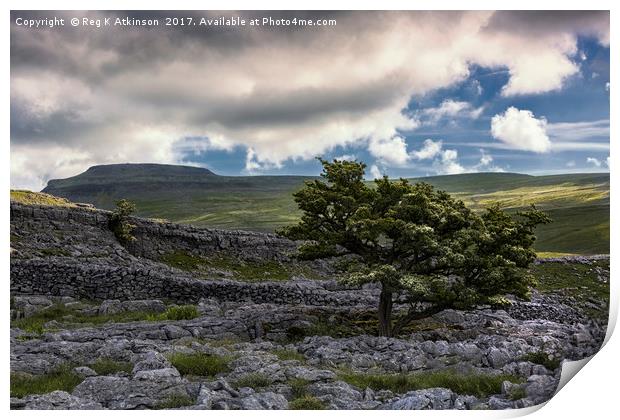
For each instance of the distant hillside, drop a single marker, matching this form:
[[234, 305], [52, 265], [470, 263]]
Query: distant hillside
[[578, 203], [187, 194]]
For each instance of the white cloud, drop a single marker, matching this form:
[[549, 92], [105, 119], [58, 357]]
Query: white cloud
[[392, 151], [607, 162], [451, 109], [520, 130], [580, 130], [429, 150], [375, 172], [346, 157], [448, 164], [607, 86], [595, 75], [594, 161], [486, 163], [571, 164]]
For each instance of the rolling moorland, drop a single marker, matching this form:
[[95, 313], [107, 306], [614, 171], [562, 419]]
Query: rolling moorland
[[577, 203]]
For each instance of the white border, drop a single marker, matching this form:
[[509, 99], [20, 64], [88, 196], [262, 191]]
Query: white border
[[593, 394]]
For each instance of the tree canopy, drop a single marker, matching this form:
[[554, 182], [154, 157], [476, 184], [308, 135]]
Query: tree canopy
[[415, 241]]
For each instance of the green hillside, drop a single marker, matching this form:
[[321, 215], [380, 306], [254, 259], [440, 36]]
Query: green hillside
[[578, 203]]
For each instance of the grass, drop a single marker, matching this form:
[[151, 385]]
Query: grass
[[543, 254], [175, 401], [178, 313], [299, 387], [542, 358], [579, 281], [478, 384], [71, 316], [239, 269], [61, 379], [286, 354], [106, 366], [307, 402], [199, 364], [301, 400], [37, 198], [253, 380]]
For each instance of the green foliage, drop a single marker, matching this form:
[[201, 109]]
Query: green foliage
[[414, 238], [119, 221], [106, 366], [253, 380], [478, 384], [199, 364], [542, 358], [61, 379], [286, 354], [175, 401], [177, 313], [307, 402]]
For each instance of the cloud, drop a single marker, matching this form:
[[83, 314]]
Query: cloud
[[375, 172], [579, 131], [594, 161], [607, 86], [451, 109], [571, 164], [520, 130], [486, 163], [135, 95], [429, 150], [392, 151], [346, 157], [446, 162]]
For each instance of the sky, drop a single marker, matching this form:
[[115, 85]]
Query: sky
[[407, 93]]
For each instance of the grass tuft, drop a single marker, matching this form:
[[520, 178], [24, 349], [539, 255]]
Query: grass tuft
[[105, 366], [174, 401], [307, 402], [61, 379], [478, 384], [253, 380], [199, 364]]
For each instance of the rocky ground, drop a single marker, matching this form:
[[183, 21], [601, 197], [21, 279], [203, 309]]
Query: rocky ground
[[253, 349]]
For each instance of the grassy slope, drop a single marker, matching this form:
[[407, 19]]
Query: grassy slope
[[578, 203]]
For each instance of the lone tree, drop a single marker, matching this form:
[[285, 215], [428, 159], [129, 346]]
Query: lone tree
[[420, 244], [119, 221]]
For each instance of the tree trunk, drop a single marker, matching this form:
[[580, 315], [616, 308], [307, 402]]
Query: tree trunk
[[385, 312]]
